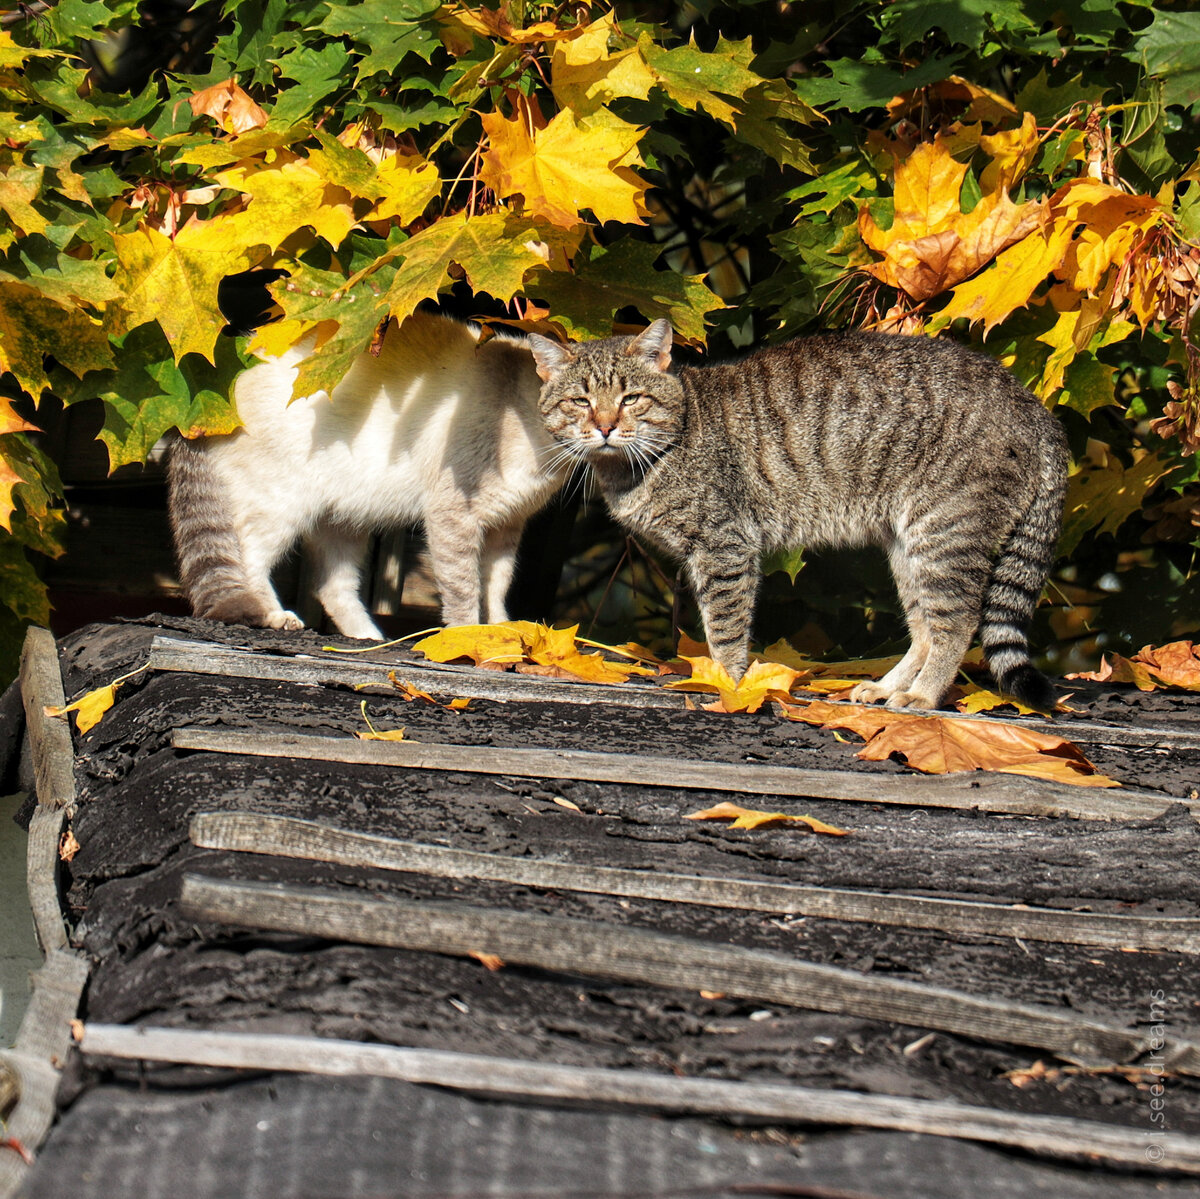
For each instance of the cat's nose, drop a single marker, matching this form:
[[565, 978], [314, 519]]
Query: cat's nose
[[605, 428]]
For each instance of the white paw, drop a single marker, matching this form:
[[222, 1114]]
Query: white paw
[[282, 619], [869, 693], [911, 699]]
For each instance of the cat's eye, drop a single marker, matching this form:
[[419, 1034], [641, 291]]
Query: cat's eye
[[582, 401]]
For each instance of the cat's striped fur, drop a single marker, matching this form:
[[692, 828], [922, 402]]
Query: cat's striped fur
[[436, 429], [934, 453]]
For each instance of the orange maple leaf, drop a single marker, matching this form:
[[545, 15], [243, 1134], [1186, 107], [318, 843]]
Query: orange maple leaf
[[1176, 664], [229, 106], [946, 745]]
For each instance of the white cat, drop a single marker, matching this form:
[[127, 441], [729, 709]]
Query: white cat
[[438, 429]]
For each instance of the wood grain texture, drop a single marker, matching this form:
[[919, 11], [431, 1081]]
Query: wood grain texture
[[455, 679], [657, 959], [37, 1057], [253, 832], [497, 1077], [975, 791], [42, 877], [49, 737]]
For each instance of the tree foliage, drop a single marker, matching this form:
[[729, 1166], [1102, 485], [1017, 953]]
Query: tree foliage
[[1016, 173]]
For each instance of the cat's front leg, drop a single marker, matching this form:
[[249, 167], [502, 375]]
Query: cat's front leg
[[455, 539], [725, 581]]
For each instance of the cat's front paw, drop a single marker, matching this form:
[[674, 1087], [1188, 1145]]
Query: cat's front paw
[[869, 693], [911, 699], [282, 619]]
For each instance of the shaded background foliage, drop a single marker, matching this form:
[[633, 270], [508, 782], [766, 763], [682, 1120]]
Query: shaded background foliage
[[1017, 174]]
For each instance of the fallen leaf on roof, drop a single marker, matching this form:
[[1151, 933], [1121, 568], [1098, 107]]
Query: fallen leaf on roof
[[409, 691], [1176, 664], [492, 961], [751, 818], [374, 734], [761, 682], [529, 648], [979, 699], [90, 707], [948, 745], [68, 847]]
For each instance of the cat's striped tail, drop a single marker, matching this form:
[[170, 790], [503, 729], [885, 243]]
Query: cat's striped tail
[[1017, 580], [206, 544]]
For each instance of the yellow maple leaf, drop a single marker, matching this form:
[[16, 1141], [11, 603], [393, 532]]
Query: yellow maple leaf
[[568, 166], [584, 75], [9, 479], [1012, 152], [484, 644], [374, 734], [761, 682], [409, 182], [11, 421], [1011, 280], [556, 650], [979, 699], [752, 818], [174, 281], [88, 708], [932, 244], [286, 195]]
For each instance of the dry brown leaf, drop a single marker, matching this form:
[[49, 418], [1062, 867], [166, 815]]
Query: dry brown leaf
[[459, 703], [751, 818], [566, 803], [492, 961], [945, 745], [68, 847], [979, 699], [229, 106], [761, 682], [409, 691], [1176, 664]]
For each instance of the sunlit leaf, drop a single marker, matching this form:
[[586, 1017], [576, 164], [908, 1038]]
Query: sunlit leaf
[[750, 818], [761, 682]]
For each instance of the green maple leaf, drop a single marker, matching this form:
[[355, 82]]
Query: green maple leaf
[[1107, 495], [247, 47], [696, 78], [624, 275], [387, 30], [21, 591], [148, 393], [321, 301], [32, 325], [317, 74], [1171, 46], [492, 251]]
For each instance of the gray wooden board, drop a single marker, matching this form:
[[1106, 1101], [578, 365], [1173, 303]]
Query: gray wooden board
[[449, 679], [256, 832], [982, 791], [507, 1078], [634, 955], [38, 1056], [311, 1137], [50, 737]]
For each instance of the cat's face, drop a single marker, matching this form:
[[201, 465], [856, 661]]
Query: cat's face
[[610, 401]]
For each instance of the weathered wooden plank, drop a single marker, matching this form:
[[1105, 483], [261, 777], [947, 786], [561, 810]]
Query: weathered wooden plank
[[41, 870], [198, 657], [506, 1078], [254, 832], [1008, 793], [50, 737], [37, 1057], [450, 679], [657, 959]]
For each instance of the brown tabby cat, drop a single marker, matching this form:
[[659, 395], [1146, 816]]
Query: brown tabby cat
[[934, 453]]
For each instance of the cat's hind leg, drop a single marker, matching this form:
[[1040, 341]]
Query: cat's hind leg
[[337, 557], [949, 571], [901, 677], [264, 541], [497, 565]]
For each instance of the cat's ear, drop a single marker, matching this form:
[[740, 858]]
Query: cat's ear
[[550, 357], [653, 345]]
